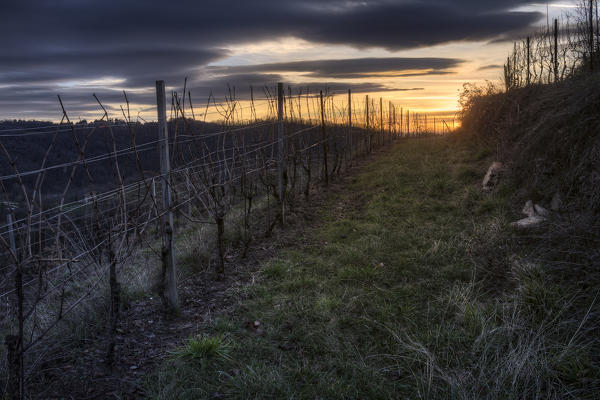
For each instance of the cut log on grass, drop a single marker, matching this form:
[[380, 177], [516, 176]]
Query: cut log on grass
[[536, 215], [529, 222], [492, 177]]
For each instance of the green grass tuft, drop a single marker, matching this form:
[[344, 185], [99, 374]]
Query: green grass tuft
[[203, 349]]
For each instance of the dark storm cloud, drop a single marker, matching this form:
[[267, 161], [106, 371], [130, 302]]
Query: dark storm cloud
[[401, 25], [42, 102], [490, 67], [241, 83], [381, 23], [47, 43], [351, 68], [139, 66], [29, 102]]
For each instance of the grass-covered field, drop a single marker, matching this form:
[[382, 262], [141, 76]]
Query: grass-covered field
[[413, 285]]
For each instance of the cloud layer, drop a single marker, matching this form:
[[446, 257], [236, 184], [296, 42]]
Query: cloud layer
[[51, 46], [351, 68]]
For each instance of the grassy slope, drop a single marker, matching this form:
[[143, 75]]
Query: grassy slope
[[410, 288]]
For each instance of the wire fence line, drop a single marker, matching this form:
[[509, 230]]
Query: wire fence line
[[566, 47], [139, 192], [103, 196]]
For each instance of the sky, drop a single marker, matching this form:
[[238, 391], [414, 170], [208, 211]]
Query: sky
[[415, 53]]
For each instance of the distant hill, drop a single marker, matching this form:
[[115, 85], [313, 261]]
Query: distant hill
[[28, 141]]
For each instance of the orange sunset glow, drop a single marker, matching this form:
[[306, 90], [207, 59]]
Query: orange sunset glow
[[423, 77]]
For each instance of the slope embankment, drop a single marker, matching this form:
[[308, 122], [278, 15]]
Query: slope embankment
[[547, 135]]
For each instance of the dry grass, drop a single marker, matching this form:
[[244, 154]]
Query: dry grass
[[414, 286], [548, 134]]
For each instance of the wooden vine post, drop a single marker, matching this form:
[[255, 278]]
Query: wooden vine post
[[350, 123], [555, 50], [402, 121], [368, 149], [528, 60], [390, 114], [325, 171], [168, 255], [280, 151], [591, 37], [381, 132]]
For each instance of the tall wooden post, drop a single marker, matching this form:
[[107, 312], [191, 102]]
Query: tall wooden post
[[350, 124], [381, 133], [168, 255], [368, 149], [555, 50], [390, 121], [591, 23], [395, 126], [280, 151], [528, 60], [290, 105], [325, 171], [402, 121]]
